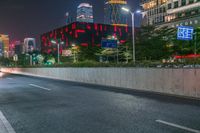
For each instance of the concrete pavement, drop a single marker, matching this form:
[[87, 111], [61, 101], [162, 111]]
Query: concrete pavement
[[38, 105]]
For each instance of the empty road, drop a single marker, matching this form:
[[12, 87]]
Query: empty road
[[39, 105]]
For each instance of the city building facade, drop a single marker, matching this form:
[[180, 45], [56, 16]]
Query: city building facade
[[4, 45], [83, 34], [85, 13], [171, 13], [18, 47], [29, 45], [113, 14]]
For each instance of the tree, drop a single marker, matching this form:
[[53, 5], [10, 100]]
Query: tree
[[88, 53], [153, 43]]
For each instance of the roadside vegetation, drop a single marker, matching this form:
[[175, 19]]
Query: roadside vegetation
[[154, 48]]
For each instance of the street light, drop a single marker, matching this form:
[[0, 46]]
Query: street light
[[74, 48], [58, 47], [133, 27]]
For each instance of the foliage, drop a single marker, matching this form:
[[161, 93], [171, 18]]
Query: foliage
[[88, 53]]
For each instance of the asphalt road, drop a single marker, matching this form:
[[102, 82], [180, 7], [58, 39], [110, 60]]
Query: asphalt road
[[38, 105]]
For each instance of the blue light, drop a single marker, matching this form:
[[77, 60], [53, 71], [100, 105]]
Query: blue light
[[185, 33]]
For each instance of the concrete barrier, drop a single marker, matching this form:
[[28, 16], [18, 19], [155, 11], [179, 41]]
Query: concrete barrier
[[181, 82]]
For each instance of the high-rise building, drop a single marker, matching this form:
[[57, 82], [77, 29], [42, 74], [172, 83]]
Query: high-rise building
[[1, 48], [18, 47], [113, 13], [29, 45], [85, 13], [4, 42], [171, 13], [68, 18], [154, 11]]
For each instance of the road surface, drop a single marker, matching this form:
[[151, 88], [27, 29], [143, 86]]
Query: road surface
[[39, 105]]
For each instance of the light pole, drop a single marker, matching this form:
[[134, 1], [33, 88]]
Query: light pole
[[58, 48], [133, 28]]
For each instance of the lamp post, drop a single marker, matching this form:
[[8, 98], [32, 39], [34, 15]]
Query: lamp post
[[133, 28], [58, 48]]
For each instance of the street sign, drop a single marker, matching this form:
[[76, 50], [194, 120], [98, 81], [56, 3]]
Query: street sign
[[106, 43], [66, 53], [185, 33]]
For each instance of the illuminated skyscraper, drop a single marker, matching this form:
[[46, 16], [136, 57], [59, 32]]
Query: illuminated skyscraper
[[68, 18], [171, 13], [113, 13], [85, 13], [29, 45], [4, 42]]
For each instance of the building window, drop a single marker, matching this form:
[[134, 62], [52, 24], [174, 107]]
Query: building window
[[183, 2], [169, 5], [176, 4]]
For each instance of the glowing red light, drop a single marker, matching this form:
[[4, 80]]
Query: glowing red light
[[88, 27], [187, 56], [101, 28], [84, 44], [80, 31], [66, 29], [95, 26], [122, 41]]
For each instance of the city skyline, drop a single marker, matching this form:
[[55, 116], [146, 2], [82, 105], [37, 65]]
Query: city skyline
[[32, 18]]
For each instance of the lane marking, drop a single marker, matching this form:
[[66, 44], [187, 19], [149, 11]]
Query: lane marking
[[178, 126], [10, 78], [6, 125], [37, 86]]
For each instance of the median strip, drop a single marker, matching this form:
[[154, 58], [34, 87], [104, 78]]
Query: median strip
[[5, 126], [178, 126], [37, 86]]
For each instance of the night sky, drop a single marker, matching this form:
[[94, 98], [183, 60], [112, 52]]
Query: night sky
[[30, 18]]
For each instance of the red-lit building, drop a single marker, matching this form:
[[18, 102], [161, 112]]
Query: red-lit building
[[83, 34]]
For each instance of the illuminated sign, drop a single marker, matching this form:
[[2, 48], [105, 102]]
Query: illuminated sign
[[185, 33], [106, 43]]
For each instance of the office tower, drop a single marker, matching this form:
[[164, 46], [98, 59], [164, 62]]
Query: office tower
[[85, 13], [68, 18], [4, 42], [113, 14], [29, 45], [171, 13]]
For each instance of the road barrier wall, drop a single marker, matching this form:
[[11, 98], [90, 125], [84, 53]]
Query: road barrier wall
[[180, 82]]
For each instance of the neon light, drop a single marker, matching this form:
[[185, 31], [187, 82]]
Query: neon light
[[187, 56], [101, 28], [95, 26], [88, 27], [84, 44], [122, 41], [80, 31], [126, 29], [74, 26], [66, 30], [115, 28]]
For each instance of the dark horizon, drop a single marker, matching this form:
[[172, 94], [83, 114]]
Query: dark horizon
[[22, 18]]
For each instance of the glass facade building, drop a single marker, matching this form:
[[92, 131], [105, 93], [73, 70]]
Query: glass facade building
[[4, 45], [113, 13], [171, 13], [85, 13]]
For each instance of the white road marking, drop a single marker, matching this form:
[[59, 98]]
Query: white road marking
[[5, 126], [178, 126], [10, 78], [37, 86]]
